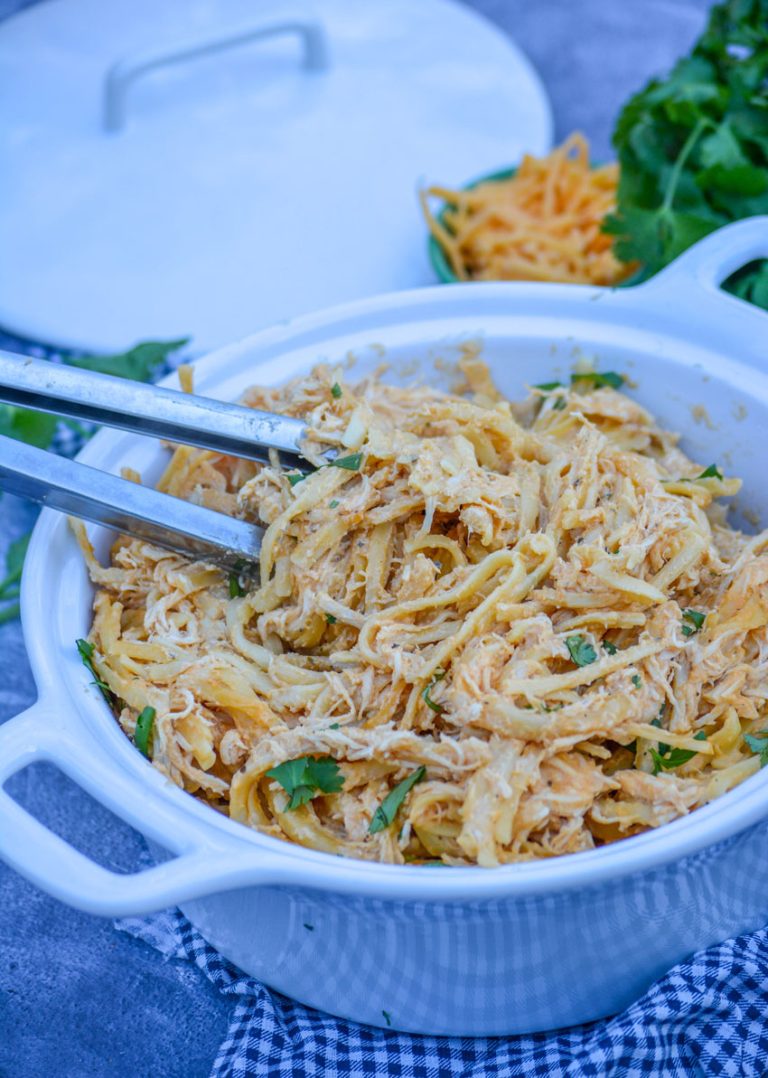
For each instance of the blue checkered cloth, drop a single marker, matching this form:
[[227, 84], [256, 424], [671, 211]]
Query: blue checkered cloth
[[707, 1016]]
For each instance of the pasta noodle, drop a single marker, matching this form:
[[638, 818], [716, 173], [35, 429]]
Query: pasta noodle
[[541, 224], [494, 632]]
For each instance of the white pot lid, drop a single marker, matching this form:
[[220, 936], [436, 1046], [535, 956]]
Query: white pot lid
[[244, 186]]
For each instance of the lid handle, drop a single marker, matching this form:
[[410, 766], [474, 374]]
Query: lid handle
[[125, 72]]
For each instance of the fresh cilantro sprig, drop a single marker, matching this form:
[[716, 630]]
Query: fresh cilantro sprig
[[693, 147], [144, 732], [307, 776], [385, 814]]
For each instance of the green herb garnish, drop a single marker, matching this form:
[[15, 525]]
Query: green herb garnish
[[559, 404], [610, 647], [693, 148], [712, 472], [330, 619], [668, 758], [387, 1017], [351, 463], [580, 649], [333, 503], [85, 651], [692, 621], [547, 387], [303, 778], [296, 478], [598, 379], [759, 744], [385, 814], [336, 390], [438, 675], [637, 681], [142, 735], [236, 589]]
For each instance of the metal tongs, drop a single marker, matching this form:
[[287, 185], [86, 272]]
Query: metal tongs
[[118, 503]]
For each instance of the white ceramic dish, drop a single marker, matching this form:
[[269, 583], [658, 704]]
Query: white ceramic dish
[[463, 951]]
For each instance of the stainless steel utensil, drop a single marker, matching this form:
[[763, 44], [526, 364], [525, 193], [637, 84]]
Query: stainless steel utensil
[[164, 413]]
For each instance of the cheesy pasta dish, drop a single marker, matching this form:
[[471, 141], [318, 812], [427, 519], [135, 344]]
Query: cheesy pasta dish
[[487, 632]]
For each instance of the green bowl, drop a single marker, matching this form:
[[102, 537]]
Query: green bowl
[[440, 263]]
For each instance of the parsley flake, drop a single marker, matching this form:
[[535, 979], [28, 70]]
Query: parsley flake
[[330, 619], [637, 681], [547, 387], [333, 503], [336, 390], [236, 589], [610, 647], [142, 735], [759, 744], [385, 814], [692, 621], [580, 649], [303, 778]]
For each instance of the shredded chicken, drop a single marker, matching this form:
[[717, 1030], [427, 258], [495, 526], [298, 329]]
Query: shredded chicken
[[535, 611]]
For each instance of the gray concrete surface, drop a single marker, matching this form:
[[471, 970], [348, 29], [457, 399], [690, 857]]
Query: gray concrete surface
[[78, 998]]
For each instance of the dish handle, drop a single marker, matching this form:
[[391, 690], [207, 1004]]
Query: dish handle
[[202, 863], [693, 283]]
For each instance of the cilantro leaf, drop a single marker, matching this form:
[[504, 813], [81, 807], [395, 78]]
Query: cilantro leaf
[[438, 675], [85, 651], [692, 621], [598, 379], [547, 387], [610, 647], [712, 472], [759, 744], [331, 619], [139, 363], [351, 463], [693, 147], [142, 735], [637, 681], [669, 758], [305, 777], [387, 810], [236, 589], [336, 390], [580, 649]]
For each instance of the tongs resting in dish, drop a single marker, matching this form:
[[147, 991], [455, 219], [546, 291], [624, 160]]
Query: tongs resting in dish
[[164, 413]]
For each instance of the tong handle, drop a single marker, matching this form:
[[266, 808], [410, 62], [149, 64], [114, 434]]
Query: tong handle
[[127, 507], [147, 409]]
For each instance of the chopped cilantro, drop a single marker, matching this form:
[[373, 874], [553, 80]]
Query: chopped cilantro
[[236, 589], [303, 778], [692, 621], [559, 404], [759, 745], [598, 379], [330, 619], [668, 758], [85, 651], [712, 472], [610, 647], [333, 503], [351, 463], [333, 726], [144, 729], [387, 810], [580, 649], [296, 478], [547, 387], [336, 390], [438, 675], [637, 681]]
